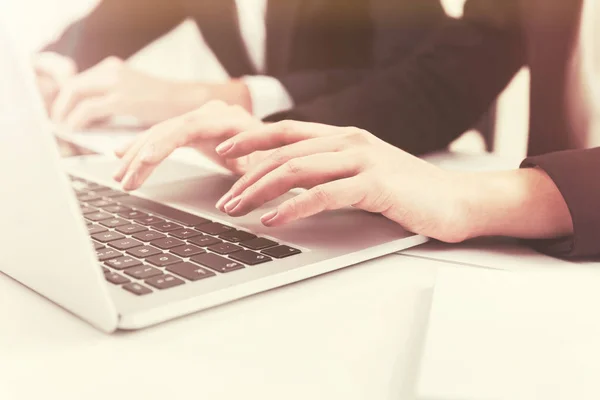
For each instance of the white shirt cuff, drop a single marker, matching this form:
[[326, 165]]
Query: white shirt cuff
[[268, 95]]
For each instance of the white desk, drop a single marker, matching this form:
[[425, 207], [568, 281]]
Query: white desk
[[347, 335]]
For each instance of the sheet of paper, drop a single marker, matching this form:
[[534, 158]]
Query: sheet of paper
[[512, 336]]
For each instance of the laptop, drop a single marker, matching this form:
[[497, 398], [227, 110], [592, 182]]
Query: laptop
[[131, 260]]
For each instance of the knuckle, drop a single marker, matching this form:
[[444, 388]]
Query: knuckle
[[357, 135], [293, 167], [279, 157], [287, 126], [321, 195], [293, 207]]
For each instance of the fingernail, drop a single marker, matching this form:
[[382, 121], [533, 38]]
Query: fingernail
[[230, 206], [269, 217], [129, 181], [223, 200], [224, 147]]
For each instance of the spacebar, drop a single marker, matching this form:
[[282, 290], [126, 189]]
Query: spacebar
[[173, 214]]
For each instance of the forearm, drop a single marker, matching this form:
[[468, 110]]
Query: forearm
[[521, 203], [116, 28]]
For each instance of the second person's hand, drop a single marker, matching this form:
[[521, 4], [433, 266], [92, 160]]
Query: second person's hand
[[114, 89]]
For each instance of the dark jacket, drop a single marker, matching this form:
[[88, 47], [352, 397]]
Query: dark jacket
[[314, 47]]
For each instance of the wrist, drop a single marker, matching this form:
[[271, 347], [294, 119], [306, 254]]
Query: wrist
[[522, 203], [234, 92]]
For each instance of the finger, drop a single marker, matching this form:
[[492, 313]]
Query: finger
[[271, 136], [89, 111], [146, 156], [73, 92], [128, 155], [279, 157], [305, 172], [328, 196]]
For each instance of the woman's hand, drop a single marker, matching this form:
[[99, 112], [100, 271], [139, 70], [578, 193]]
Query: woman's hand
[[113, 89], [202, 129], [344, 167]]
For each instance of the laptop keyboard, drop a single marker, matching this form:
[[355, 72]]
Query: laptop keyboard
[[145, 247]]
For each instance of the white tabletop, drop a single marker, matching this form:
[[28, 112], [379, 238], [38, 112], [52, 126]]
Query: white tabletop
[[346, 335]]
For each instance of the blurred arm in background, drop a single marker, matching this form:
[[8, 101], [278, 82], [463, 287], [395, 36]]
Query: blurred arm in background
[[313, 48]]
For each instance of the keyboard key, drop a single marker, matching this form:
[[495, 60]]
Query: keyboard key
[[108, 236], [132, 214], [214, 228], [167, 243], [143, 272], [91, 196], [162, 260], [96, 187], [185, 233], [143, 252], [189, 271], [88, 210], [97, 216], [98, 246], [123, 262], [204, 241], [173, 214], [107, 254], [104, 269], [166, 226], [115, 278], [216, 263], [101, 203], [258, 243], [110, 193], [148, 236], [125, 244], [136, 289], [164, 282], [113, 222], [149, 220], [237, 236], [249, 257], [131, 229], [187, 250], [93, 229], [225, 248], [281, 251], [116, 209]]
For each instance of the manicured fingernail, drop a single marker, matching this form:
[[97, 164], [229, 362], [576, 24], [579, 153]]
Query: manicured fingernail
[[129, 181], [231, 205], [269, 217], [224, 147], [223, 200]]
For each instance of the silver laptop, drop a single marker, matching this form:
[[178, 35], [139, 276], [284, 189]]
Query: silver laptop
[[130, 260]]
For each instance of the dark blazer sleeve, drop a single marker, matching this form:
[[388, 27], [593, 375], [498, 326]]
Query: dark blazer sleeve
[[117, 27], [393, 30], [422, 102], [574, 173]]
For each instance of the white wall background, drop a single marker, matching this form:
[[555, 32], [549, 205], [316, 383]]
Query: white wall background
[[176, 56]]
